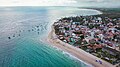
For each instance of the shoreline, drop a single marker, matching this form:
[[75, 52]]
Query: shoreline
[[79, 53], [72, 56]]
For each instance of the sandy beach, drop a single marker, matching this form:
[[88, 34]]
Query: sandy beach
[[79, 53]]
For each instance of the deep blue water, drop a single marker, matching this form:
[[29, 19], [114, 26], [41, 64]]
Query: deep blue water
[[27, 27]]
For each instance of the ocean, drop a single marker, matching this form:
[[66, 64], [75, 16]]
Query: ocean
[[23, 31]]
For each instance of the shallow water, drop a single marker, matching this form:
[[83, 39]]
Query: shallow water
[[27, 27]]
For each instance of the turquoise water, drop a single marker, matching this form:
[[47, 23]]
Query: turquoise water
[[27, 27]]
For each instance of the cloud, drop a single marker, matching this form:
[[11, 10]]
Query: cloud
[[98, 0], [99, 3], [37, 2], [80, 3]]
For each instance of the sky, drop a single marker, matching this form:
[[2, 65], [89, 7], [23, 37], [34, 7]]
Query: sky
[[80, 3]]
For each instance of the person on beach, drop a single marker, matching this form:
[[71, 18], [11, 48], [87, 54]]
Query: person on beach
[[96, 60], [100, 62]]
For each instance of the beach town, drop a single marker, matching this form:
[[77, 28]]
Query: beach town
[[96, 35], [59, 33]]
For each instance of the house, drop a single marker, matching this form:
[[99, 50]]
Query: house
[[111, 51]]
